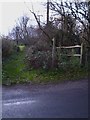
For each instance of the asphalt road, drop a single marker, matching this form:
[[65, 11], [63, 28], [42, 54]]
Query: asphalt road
[[65, 100]]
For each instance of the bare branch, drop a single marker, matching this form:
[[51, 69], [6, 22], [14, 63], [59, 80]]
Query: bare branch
[[38, 22]]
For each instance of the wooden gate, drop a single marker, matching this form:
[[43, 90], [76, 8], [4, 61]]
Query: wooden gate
[[72, 51], [70, 48]]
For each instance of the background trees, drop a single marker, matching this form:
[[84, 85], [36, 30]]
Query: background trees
[[77, 10], [69, 25]]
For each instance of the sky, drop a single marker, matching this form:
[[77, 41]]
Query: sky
[[12, 10]]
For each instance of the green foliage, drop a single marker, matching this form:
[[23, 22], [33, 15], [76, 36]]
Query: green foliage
[[12, 67], [67, 60], [69, 63], [15, 72], [75, 62], [38, 61]]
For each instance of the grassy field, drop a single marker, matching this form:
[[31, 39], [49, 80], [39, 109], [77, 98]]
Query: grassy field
[[14, 72]]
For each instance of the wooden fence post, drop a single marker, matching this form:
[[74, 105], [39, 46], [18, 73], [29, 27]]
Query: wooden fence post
[[81, 53], [53, 53]]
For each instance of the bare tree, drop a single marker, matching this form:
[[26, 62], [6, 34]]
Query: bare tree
[[21, 31], [44, 29], [78, 10], [40, 26]]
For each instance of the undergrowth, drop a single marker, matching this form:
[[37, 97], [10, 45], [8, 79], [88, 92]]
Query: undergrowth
[[14, 71]]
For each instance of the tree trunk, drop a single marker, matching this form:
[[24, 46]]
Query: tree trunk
[[47, 12]]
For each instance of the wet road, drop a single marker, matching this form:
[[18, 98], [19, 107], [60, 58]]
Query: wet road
[[65, 100]]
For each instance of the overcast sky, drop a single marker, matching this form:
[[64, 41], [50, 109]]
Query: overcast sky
[[11, 10]]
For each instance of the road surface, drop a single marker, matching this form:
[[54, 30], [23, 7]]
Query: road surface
[[63, 100]]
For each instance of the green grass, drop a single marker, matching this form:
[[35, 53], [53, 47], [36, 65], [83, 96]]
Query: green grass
[[14, 72]]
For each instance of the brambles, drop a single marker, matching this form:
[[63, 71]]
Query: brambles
[[38, 59]]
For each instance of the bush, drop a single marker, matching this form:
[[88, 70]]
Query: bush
[[69, 63], [38, 59], [7, 47], [75, 62]]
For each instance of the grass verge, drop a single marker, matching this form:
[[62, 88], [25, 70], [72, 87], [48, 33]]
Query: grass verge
[[14, 72]]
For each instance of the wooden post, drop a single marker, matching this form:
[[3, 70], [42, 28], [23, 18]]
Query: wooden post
[[72, 51], [53, 53], [86, 56], [81, 53]]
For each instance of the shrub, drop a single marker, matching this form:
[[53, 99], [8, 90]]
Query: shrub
[[75, 61], [7, 47], [69, 63], [38, 59]]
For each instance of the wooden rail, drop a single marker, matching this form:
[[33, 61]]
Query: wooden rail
[[66, 47], [72, 48], [76, 46]]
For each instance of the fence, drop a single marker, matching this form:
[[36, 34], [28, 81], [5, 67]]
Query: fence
[[71, 51]]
